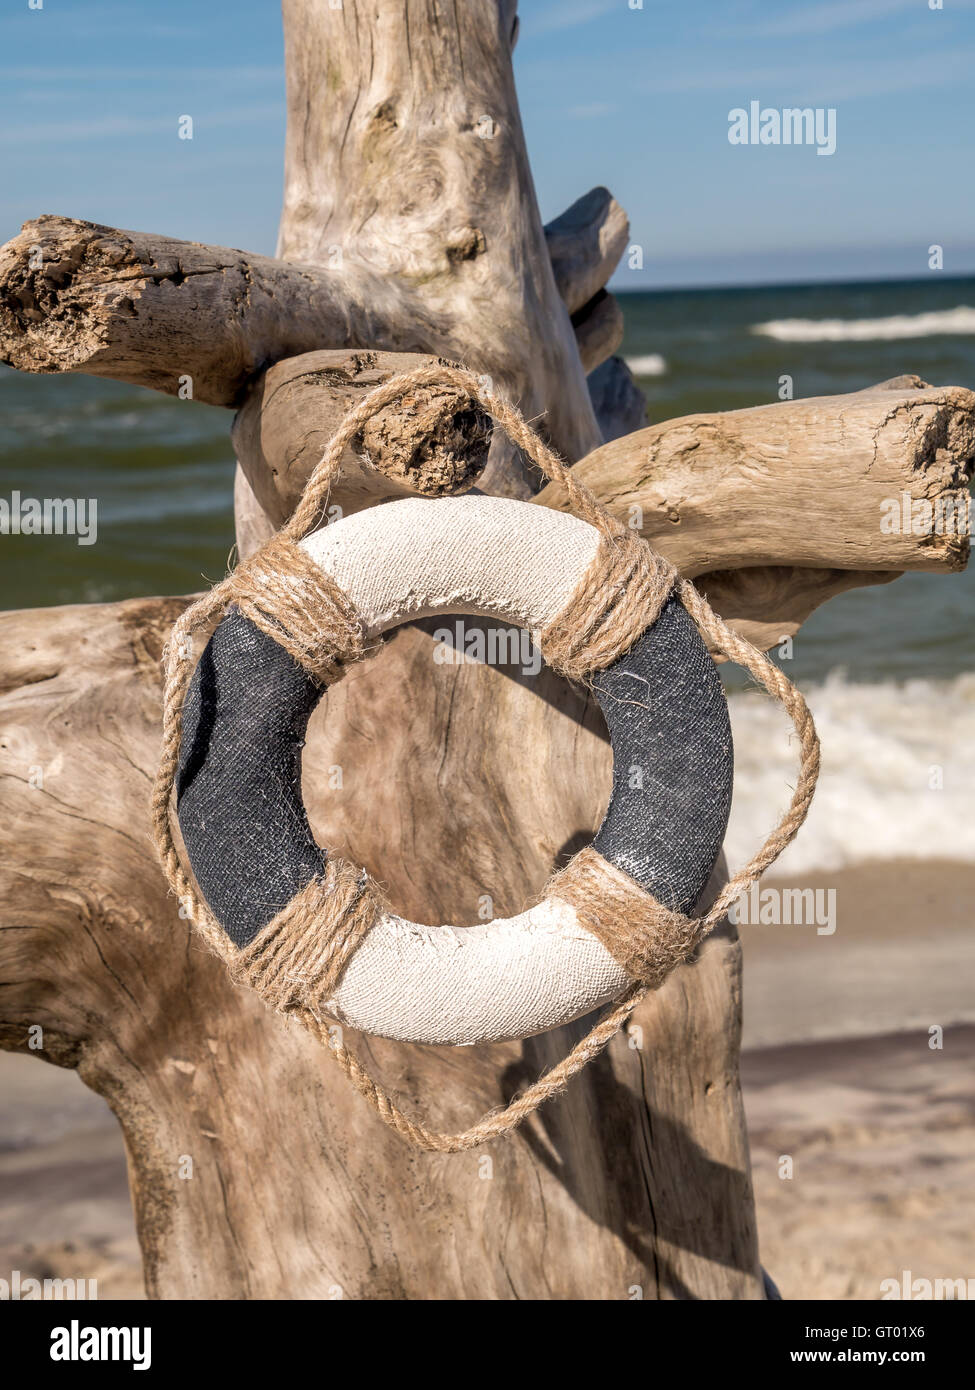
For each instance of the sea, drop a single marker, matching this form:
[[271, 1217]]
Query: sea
[[889, 671]]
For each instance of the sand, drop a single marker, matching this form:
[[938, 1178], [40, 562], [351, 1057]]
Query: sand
[[64, 1197], [902, 957], [881, 1133], [838, 1075]]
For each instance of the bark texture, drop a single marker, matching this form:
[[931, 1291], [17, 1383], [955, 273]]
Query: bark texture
[[430, 443], [256, 1171]]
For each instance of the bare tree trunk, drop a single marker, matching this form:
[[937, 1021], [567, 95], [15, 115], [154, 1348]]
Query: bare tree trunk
[[440, 118]]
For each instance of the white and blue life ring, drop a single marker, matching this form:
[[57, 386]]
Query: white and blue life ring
[[239, 800]]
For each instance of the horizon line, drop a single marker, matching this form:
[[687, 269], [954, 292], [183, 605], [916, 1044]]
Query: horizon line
[[845, 281]]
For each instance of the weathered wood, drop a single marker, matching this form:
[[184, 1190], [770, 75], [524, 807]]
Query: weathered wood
[[430, 443], [585, 244], [620, 405], [598, 327], [814, 472], [252, 525], [908, 381], [767, 603], [638, 1177], [156, 312], [398, 96], [799, 483], [180, 317]]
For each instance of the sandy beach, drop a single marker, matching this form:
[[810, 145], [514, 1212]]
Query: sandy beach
[[901, 957], [838, 1075], [881, 1132], [64, 1197]]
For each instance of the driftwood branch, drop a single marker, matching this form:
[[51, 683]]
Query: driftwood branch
[[585, 244], [598, 327], [798, 483], [620, 405], [776, 509], [354, 271], [157, 312], [430, 443], [288, 425], [180, 317]]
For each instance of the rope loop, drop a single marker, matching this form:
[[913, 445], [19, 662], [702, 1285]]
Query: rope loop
[[296, 961]]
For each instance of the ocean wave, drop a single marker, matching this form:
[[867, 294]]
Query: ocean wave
[[650, 364], [932, 324], [897, 776]]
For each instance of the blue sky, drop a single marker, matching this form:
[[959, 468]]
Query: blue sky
[[635, 98]]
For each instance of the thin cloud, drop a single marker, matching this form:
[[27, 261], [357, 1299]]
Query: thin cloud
[[131, 74], [40, 132], [836, 14], [568, 14], [591, 110], [828, 82]]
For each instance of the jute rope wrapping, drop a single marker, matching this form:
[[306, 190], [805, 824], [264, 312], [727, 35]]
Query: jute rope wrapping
[[293, 600], [618, 598], [296, 961]]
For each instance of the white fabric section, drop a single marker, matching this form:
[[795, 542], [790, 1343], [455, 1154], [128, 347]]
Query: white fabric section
[[458, 985], [516, 976], [487, 555]]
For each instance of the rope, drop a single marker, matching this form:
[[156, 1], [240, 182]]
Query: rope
[[617, 599], [296, 961], [291, 599]]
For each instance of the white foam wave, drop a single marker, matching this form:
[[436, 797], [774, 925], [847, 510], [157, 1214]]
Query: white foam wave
[[650, 364], [927, 325], [886, 747]]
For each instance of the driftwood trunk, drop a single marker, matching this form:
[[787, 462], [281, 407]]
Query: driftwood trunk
[[255, 1170]]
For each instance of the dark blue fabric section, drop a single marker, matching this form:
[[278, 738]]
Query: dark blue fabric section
[[238, 794], [673, 766], [239, 787]]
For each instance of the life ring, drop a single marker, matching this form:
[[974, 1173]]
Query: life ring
[[247, 836], [299, 611]]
